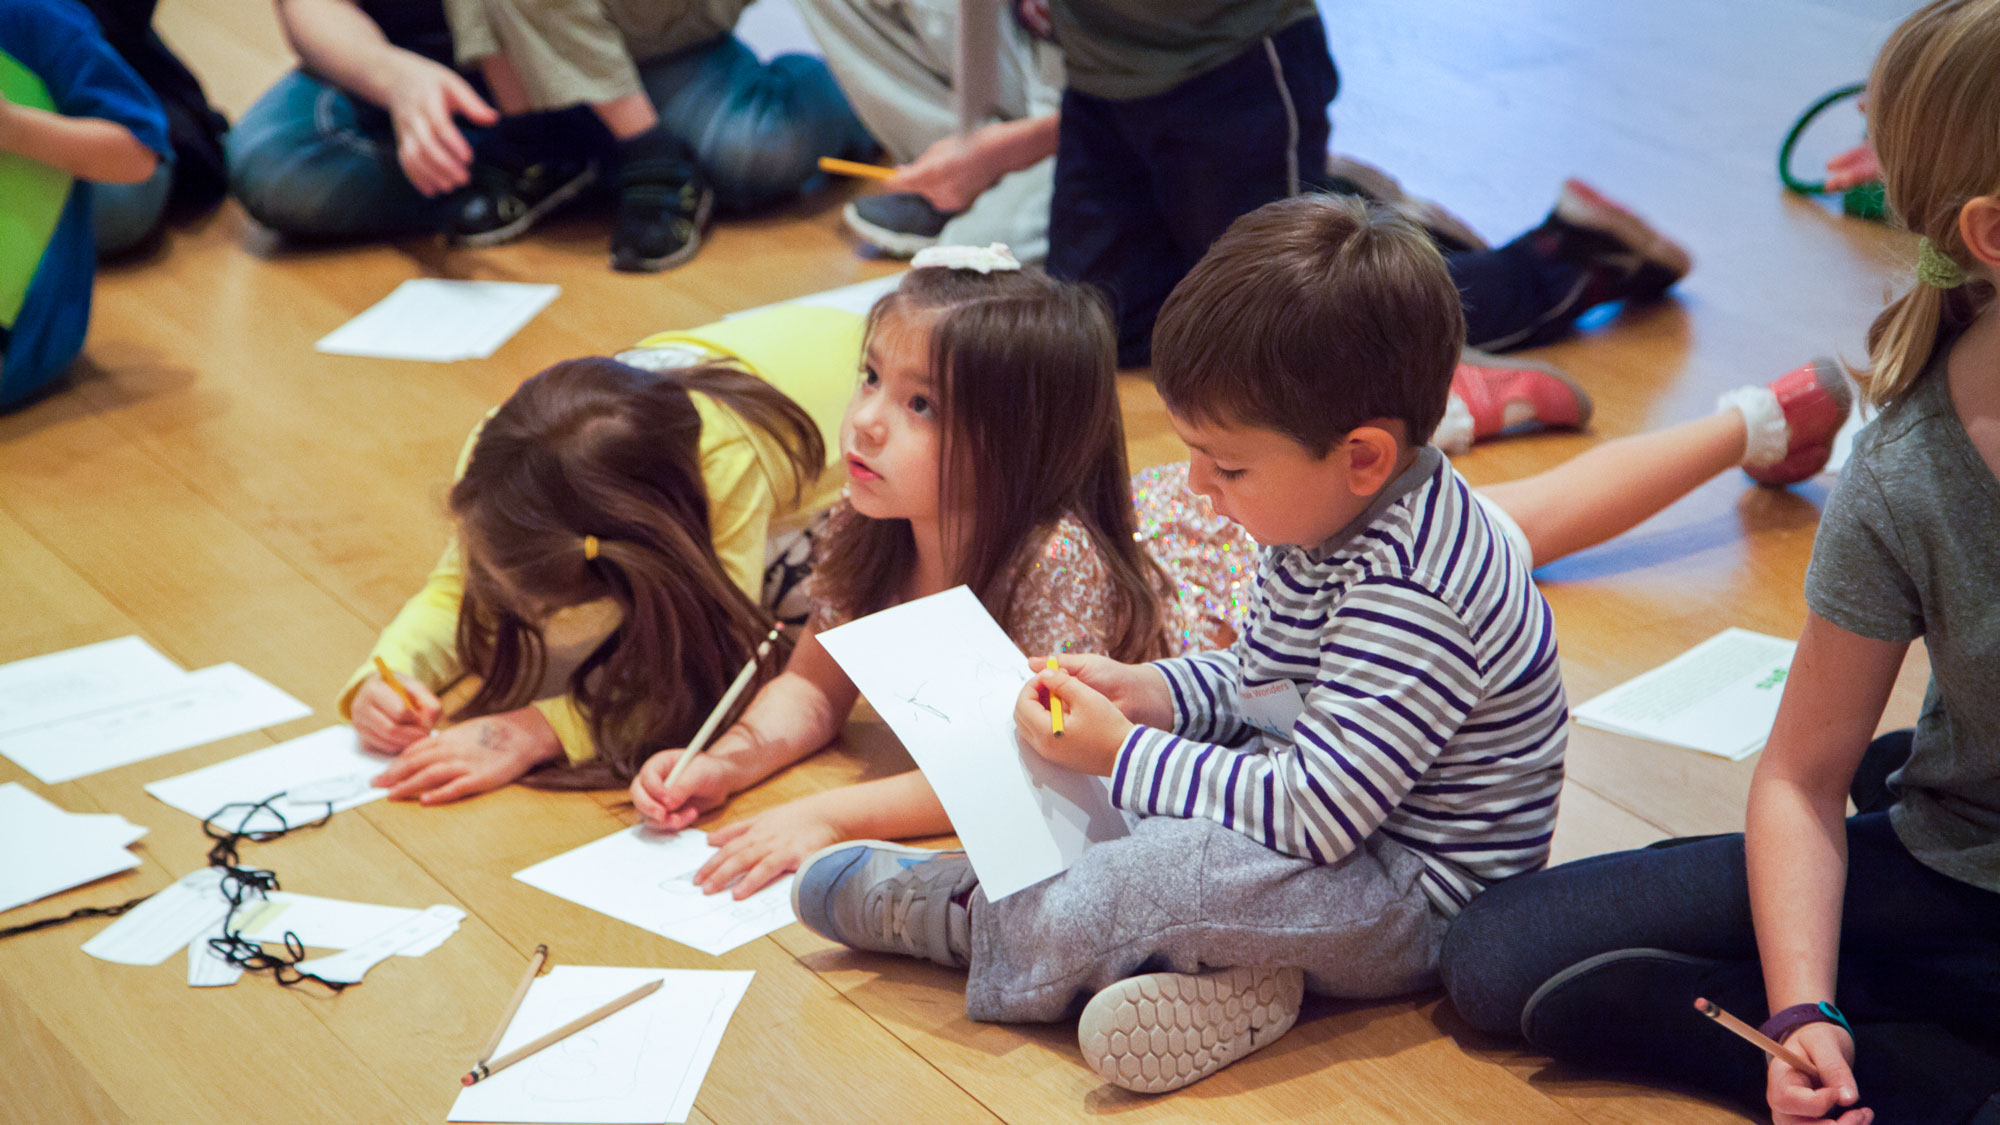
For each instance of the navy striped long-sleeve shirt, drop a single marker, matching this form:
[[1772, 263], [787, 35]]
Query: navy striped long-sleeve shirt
[[1430, 701]]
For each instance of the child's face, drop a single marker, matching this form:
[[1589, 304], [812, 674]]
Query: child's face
[[891, 435], [1275, 487]]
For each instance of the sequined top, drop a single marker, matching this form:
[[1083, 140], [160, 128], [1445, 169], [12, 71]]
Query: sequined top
[[1063, 600]]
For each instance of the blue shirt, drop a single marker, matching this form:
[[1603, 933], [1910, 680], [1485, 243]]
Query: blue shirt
[[60, 42]]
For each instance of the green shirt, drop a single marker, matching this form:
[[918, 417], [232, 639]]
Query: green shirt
[[1908, 547], [1125, 49]]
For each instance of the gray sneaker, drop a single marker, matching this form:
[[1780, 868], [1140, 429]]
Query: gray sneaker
[[1162, 1031], [899, 224], [888, 898]]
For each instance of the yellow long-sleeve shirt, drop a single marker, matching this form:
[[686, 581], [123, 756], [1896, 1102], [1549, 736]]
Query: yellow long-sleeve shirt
[[809, 353]]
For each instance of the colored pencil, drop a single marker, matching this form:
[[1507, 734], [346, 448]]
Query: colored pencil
[[1756, 1038], [396, 685], [841, 167], [487, 1070], [535, 964], [707, 730], [1055, 704]]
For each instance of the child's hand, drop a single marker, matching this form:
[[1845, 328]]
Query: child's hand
[[705, 785], [758, 850], [470, 758], [1137, 690], [428, 96], [1094, 729], [1853, 168], [385, 725], [1795, 1099]]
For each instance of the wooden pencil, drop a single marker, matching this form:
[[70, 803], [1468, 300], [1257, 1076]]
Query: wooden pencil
[[715, 717], [396, 685], [841, 167], [1055, 704], [487, 1070], [1756, 1038], [535, 964]]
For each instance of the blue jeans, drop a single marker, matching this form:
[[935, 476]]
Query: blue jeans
[[312, 161], [1919, 972], [126, 215]]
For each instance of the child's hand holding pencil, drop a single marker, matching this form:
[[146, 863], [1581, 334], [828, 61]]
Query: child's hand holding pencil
[[391, 713], [1069, 722]]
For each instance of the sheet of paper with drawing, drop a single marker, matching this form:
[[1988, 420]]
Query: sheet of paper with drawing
[[647, 879], [324, 768], [944, 676], [1719, 697], [641, 1065]]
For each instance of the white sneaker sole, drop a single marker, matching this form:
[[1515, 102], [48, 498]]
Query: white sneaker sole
[[892, 243], [1162, 1031]]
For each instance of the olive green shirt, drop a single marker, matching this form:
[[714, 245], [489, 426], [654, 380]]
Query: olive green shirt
[[1125, 49]]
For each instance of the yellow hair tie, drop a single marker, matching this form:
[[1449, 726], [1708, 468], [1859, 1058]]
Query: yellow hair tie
[[590, 548], [1935, 268]]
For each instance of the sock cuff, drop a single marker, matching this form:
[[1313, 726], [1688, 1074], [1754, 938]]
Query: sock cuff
[[1768, 436]]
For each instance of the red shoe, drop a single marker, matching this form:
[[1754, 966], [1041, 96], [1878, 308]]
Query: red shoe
[[1503, 393], [1815, 399]]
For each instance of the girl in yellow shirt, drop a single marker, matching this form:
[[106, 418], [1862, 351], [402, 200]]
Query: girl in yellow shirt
[[605, 581]]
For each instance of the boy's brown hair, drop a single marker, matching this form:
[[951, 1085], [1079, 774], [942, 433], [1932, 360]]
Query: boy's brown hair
[[1310, 316]]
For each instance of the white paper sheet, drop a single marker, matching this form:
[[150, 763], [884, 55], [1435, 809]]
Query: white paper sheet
[[640, 1065], [47, 689], [411, 938], [646, 878], [321, 923], [857, 298], [440, 321], [204, 706], [163, 925], [944, 676], [45, 849], [325, 766], [1719, 697]]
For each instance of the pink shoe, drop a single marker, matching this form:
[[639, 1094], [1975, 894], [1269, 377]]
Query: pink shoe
[[1633, 259], [1815, 399], [1502, 393]]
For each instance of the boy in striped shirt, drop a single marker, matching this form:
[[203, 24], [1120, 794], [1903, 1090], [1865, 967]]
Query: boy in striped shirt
[[1383, 741]]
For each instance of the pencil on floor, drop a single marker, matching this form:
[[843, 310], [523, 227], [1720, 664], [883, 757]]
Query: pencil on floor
[[1756, 1038], [841, 167], [396, 685], [484, 1071], [707, 730], [535, 964]]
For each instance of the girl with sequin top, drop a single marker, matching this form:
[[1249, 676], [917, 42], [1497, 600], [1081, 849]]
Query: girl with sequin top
[[984, 447]]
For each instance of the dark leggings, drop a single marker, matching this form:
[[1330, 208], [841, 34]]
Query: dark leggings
[[1919, 970]]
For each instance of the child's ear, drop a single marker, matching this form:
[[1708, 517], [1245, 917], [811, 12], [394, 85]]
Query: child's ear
[[1979, 226], [1372, 454]]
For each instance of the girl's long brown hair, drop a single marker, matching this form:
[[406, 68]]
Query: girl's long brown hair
[[591, 447], [1027, 396], [1934, 114]]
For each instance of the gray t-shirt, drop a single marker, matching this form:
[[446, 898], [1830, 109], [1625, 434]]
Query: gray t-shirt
[[1126, 49], [1909, 546]]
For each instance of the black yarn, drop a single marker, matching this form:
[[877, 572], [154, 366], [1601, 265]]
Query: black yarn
[[240, 885]]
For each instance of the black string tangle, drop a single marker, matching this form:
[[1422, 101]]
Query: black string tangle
[[246, 885]]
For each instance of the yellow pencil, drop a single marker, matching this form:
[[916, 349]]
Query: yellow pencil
[[1055, 704], [396, 685], [841, 167], [1756, 1038]]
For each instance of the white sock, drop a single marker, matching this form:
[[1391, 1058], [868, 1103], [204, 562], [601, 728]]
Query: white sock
[[1769, 438], [1454, 434]]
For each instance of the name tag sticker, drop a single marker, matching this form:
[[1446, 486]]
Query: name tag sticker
[[1272, 707]]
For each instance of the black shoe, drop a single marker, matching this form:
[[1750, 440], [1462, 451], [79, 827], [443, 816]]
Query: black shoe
[[899, 225], [500, 205], [659, 224]]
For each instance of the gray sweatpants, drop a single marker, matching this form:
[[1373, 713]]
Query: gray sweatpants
[[1190, 895], [894, 61]]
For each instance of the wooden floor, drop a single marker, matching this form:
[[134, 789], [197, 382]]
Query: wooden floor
[[214, 485]]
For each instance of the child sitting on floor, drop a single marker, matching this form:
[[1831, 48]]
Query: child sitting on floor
[[1383, 740]]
